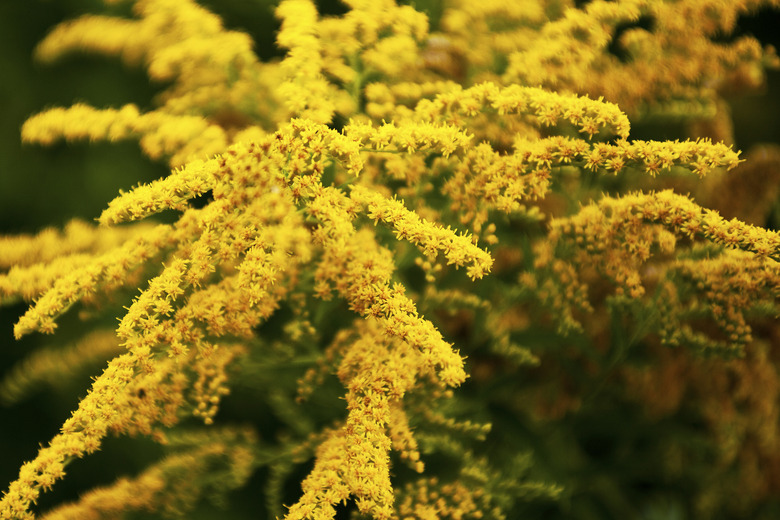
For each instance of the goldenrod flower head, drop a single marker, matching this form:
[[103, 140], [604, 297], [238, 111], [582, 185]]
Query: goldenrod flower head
[[317, 216]]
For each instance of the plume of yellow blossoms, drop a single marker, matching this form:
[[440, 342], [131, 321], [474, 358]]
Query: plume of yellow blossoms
[[346, 185]]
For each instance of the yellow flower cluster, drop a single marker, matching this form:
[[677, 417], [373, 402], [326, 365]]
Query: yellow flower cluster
[[429, 500], [171, 486], [36, 262], [119, 401], [485, 179], [458, 249], [638, 53], [621, 235], [588, 116], [360, 271], [76, 237], [71, 281], [54, 365], [225, 233], [216, 82], [484, 142], [179, 137], [306, 92], [730, 285]]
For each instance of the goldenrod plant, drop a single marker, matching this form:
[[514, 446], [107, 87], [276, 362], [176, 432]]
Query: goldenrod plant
[[419, 267]]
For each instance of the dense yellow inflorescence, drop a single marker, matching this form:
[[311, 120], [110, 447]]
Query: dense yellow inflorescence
[[373, 146]]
